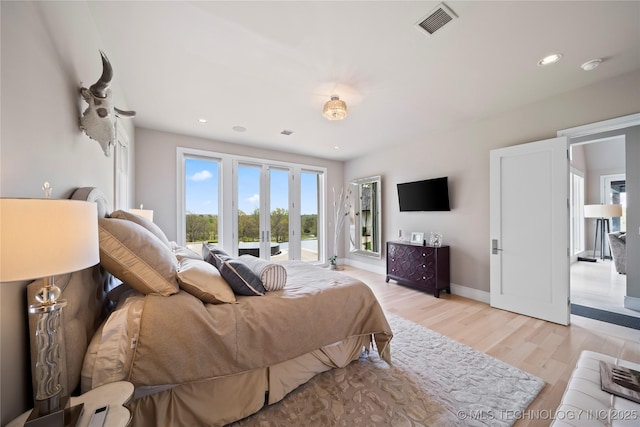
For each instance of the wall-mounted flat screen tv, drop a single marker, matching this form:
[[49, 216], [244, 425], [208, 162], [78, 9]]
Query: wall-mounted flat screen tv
[[426, 195]]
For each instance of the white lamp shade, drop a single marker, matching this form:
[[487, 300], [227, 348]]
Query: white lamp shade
[[602, 211], [46, 237], [146, 213]]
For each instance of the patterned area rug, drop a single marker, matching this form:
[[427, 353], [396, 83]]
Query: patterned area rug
[[434, 381]]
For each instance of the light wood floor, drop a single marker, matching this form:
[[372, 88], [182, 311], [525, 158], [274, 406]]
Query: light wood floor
[[541, 348], [598, 285]]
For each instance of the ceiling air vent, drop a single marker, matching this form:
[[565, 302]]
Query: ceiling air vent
[[286, 132], [438, 18]]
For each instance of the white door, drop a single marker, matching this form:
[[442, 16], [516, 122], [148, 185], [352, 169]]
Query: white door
[[263, 194], [529, 229]]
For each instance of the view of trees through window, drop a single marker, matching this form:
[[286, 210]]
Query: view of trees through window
[[204, 227], [202, 219]]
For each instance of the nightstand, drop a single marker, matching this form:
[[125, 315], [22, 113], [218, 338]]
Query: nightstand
[[113, 394]]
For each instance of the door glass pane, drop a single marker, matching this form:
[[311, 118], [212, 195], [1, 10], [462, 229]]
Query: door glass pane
[[309, 202], [279, 219], [202, 184], [619, 197], [249, 210], [576, 191]]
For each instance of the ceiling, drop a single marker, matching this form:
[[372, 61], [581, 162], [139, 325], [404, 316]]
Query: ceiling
[[270, 66]]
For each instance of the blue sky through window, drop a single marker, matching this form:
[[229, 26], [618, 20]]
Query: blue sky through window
[[202, 188]]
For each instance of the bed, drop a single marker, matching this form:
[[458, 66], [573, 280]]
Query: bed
[[198, 358]]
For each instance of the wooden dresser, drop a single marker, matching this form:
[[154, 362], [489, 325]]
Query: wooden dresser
[[421, 267]]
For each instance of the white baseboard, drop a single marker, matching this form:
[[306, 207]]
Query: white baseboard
[[471, 293], [379, 269], [463, 291], [632, 303]]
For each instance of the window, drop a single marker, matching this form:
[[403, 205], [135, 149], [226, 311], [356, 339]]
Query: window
[[310, 218], [251, 206], [201, 201]]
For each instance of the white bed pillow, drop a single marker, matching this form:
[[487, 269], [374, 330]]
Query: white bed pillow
[[273, 276], [110, 352], [182, 252]]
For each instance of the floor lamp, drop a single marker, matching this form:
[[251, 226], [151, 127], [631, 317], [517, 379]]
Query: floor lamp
[[40, 238], [601, 213]]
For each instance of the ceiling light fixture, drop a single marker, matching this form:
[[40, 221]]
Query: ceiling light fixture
[[202, 120], [590, 65], [550, 59], [239, 128], [335, 109]]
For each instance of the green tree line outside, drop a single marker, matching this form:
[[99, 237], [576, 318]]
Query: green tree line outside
[[204, 227]]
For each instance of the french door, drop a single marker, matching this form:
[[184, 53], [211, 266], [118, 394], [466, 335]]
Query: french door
[[263, 203], [529, 229], [270, 209]]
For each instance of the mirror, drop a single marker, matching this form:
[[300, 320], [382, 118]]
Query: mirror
[[366, 217]]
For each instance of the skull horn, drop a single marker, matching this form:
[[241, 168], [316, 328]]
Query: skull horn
[[124, 113], [99, 88]]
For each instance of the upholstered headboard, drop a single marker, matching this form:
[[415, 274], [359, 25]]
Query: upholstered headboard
[[85, 292]]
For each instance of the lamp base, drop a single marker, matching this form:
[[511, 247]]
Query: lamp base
[[68, 416]]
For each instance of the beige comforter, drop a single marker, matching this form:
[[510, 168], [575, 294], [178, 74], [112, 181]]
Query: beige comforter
[[183, 340]]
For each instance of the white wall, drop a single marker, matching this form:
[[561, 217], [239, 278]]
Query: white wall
[[156, 179], [462, 154], [48, 49]]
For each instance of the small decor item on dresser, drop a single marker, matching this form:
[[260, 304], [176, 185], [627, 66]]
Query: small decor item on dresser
[[417, 238], [435, 239]]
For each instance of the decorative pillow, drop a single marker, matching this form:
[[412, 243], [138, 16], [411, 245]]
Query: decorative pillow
[[272, 275], [140, 220], [242, 280], [182, 252], [110, 352], [137, 257], [209, 252], [203, 281]]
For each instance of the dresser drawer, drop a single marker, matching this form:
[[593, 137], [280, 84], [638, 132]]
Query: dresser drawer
[[422, 267]]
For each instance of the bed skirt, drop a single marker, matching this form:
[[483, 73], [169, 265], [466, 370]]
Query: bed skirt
[[222, 400]]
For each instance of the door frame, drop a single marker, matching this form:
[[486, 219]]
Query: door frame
[[602, 126]]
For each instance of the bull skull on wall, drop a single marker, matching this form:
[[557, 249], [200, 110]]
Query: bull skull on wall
[[99, 119]]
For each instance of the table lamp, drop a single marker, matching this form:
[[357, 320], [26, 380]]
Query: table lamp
[[146, 213], [40, 238], [601, 213]]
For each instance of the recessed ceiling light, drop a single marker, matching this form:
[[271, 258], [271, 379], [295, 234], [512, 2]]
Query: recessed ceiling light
[[202, 120], [550, 59], [590, 65], [239, 128], [336, 147]]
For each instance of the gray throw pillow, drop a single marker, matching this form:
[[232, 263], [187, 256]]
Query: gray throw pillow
[[213, 254], [242, 280]]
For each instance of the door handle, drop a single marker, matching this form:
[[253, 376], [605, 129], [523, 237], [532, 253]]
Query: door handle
[[494, 247]]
